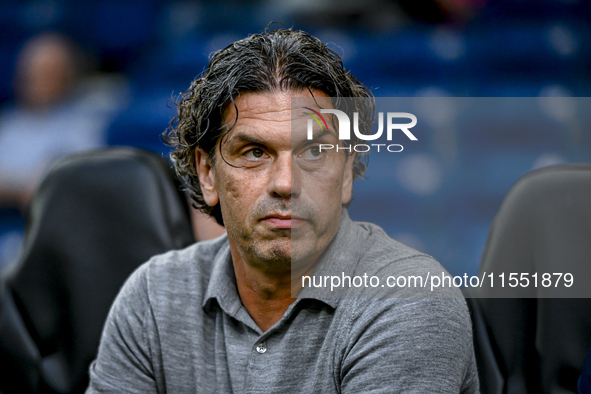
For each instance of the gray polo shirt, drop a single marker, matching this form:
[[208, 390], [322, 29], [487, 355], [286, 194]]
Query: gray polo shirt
[[179, 326]]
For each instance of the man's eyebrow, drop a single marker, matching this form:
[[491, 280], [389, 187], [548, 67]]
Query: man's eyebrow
[[241, 136], [316, 135]]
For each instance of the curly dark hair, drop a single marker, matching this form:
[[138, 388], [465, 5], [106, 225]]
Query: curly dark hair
[[278, 60]]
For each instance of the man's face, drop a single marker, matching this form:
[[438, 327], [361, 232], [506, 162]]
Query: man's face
[[281, 198]]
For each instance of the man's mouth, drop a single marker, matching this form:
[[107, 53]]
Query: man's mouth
[[283, 221]]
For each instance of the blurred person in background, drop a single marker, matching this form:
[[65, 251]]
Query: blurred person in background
[[48, 120]]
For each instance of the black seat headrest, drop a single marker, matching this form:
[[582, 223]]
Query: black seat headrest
[[92, 221]]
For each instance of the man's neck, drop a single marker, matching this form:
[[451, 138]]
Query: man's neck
[[265, 295]]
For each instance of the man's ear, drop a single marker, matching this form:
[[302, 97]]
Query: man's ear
[[205, 172], [347, 189]]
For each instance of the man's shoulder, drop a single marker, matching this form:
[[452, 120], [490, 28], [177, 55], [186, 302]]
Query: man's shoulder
[[398, 270], [384, 254], [404, 308], [198, 257], [181, 271], [364, 261]]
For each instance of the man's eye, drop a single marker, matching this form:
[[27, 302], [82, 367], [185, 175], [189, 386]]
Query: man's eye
[[255, 153], [312, 153], [315, 151]]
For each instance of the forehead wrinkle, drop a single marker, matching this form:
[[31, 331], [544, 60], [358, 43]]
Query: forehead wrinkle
[[246, 116], [242, 136], [270, 103], [265, 115], [267, 112], [249, 124]]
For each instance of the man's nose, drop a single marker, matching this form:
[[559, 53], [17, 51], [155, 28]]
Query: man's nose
[[283, 182]]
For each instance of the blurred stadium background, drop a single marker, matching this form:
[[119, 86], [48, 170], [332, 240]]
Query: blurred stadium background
[[141, 53]]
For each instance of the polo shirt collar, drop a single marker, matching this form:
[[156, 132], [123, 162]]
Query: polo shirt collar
[[222, 283]]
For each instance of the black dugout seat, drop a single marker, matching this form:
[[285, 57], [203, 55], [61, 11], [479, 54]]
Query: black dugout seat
[[530, 344], [93, 220]]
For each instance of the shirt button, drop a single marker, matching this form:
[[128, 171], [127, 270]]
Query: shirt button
[[262, 347]]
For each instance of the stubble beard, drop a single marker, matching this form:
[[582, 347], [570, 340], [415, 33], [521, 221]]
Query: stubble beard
[[279, 250]]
